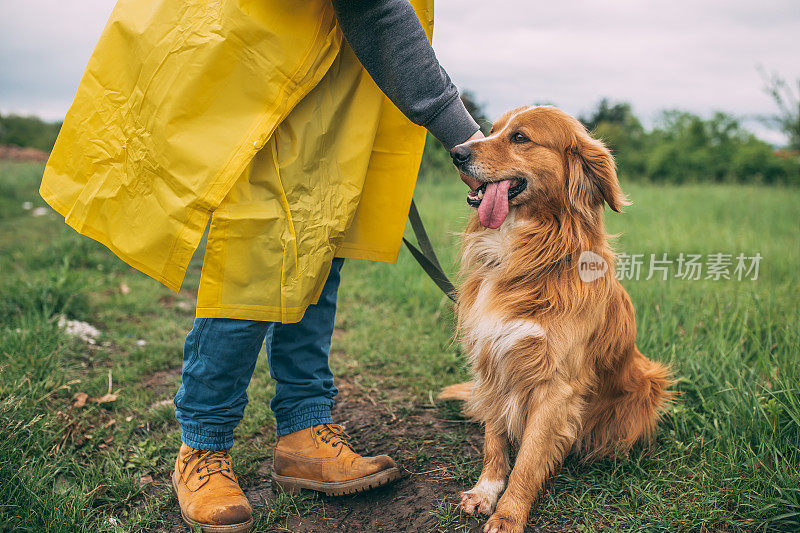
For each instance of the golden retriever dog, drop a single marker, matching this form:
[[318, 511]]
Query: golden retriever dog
[[548, 329]]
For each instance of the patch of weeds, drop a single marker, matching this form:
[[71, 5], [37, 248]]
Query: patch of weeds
[[465, 470], [153, 454], [53, 293], [448, 517]]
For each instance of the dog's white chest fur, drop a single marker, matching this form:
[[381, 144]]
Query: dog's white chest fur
[[484, 329]]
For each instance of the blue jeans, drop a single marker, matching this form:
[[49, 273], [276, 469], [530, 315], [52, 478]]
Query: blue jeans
[[219, 358]]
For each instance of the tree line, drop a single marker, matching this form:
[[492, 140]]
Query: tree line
[[681, 147]]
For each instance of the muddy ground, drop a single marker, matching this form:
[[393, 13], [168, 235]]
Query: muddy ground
[[422, 439]]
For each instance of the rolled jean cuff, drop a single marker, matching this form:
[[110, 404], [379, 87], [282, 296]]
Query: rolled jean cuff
[[204, 439], [302, 419]]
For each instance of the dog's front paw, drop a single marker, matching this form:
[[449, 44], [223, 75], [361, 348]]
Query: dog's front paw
[[477, 503], [503, 524], [482, 497]]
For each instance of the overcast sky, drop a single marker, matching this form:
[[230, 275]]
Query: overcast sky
[[697, 55]]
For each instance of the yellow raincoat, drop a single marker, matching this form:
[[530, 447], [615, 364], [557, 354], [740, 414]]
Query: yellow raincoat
[[255, 113]]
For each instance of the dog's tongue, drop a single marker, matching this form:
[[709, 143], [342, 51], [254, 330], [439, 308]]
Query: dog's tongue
[[494, 205]]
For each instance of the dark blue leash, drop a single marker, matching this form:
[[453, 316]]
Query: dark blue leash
[[425, 255]]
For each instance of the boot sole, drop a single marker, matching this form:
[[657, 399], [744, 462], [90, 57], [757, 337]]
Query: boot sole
[[292, 485], [243, 527]]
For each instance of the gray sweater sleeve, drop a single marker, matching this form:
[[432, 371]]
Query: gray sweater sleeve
[[390, 42]]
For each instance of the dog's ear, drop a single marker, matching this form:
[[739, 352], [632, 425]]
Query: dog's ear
[[592, 176]]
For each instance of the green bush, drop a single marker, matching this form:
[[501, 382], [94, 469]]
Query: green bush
[[684, 147], [28, 132]]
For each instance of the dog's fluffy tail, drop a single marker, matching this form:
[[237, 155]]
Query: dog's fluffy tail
[[626, 408], [460, 391]]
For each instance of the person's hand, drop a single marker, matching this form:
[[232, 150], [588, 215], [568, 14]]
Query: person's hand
[[472, 183]]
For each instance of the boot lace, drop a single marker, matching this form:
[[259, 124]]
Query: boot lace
[[333, 433], [212, 461]]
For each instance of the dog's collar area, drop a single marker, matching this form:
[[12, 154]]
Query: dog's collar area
[[475, 196]]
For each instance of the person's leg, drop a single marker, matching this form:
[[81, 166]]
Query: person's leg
[[218, 361], [312, 452], [298, 362], [219, 357]]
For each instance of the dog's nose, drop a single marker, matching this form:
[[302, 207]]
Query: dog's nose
[[461, 154]]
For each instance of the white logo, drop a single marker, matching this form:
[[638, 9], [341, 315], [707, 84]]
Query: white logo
[[591, 266]]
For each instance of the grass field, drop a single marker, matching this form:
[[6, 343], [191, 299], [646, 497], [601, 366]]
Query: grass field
[[727, 456]]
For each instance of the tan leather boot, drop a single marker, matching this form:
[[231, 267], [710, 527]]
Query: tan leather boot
[[208, 492], [319, 458]]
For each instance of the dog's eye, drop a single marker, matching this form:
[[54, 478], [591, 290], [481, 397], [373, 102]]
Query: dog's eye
[[519, 137]]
